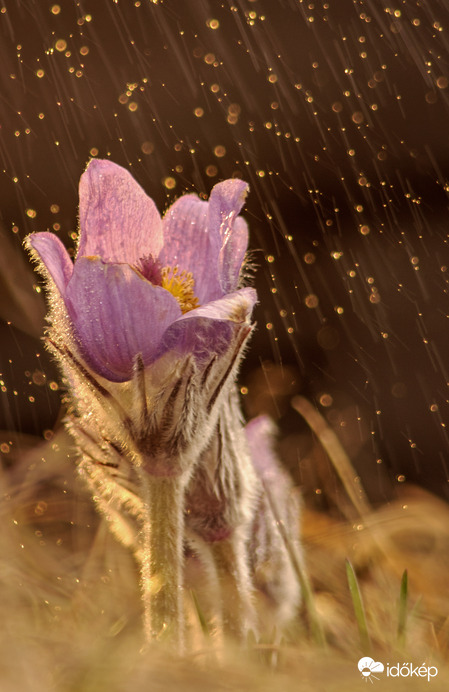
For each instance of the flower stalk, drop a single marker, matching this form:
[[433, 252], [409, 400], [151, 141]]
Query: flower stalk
[[162, 564]]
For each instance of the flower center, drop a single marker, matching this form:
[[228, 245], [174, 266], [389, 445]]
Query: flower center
[[151, 269], [181, 286]]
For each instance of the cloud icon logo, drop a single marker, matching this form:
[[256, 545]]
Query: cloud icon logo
[[369, 666]]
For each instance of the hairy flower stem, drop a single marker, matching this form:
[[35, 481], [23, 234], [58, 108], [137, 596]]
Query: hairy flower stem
[[162, 559], [237, 593]]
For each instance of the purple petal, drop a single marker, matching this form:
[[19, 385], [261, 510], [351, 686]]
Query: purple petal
[[118, 221], [235, 307], [226, 200], [116, 315], [208, 239], [187, 243], [54, 257], [212, 329], [261, 434], [232, 255], [200, 336]]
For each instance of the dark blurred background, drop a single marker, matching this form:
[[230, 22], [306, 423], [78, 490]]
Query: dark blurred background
[[336, 113]]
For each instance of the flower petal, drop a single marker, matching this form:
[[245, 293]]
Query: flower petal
[[226, 200], [208, 238], [200, 336], [187, 243], [211, 329], [118, 221], [235, 307], [117, 314], [54, 257], [232, 255]]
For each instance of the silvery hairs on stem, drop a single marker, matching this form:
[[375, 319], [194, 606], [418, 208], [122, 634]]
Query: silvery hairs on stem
[[149, 325]]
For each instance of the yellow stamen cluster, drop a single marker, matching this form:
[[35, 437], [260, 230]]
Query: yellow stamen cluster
[[181, 286]]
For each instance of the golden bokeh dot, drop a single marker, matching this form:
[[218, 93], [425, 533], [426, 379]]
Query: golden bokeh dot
[[94, 151], [55, 9], [199, 112], [220, 151], [169, 182], [337, 107], [40, 73], [147, 147], [309, 258], [54, 208], [61, 45], [442, 82], [357, 117], [326, 400], [31, 213], [311, 301], [211, 171], [364, 230]]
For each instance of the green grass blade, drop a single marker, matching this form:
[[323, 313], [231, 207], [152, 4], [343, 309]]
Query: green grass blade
[[402, 615], [359, 610], [201, 617]]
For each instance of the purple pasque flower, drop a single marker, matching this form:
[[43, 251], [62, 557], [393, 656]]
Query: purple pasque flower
[[142, 285], [275, 529]]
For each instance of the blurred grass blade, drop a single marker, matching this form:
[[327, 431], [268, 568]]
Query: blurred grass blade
[[334, 449], [359, 610], [201, 617], [402, 616]]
